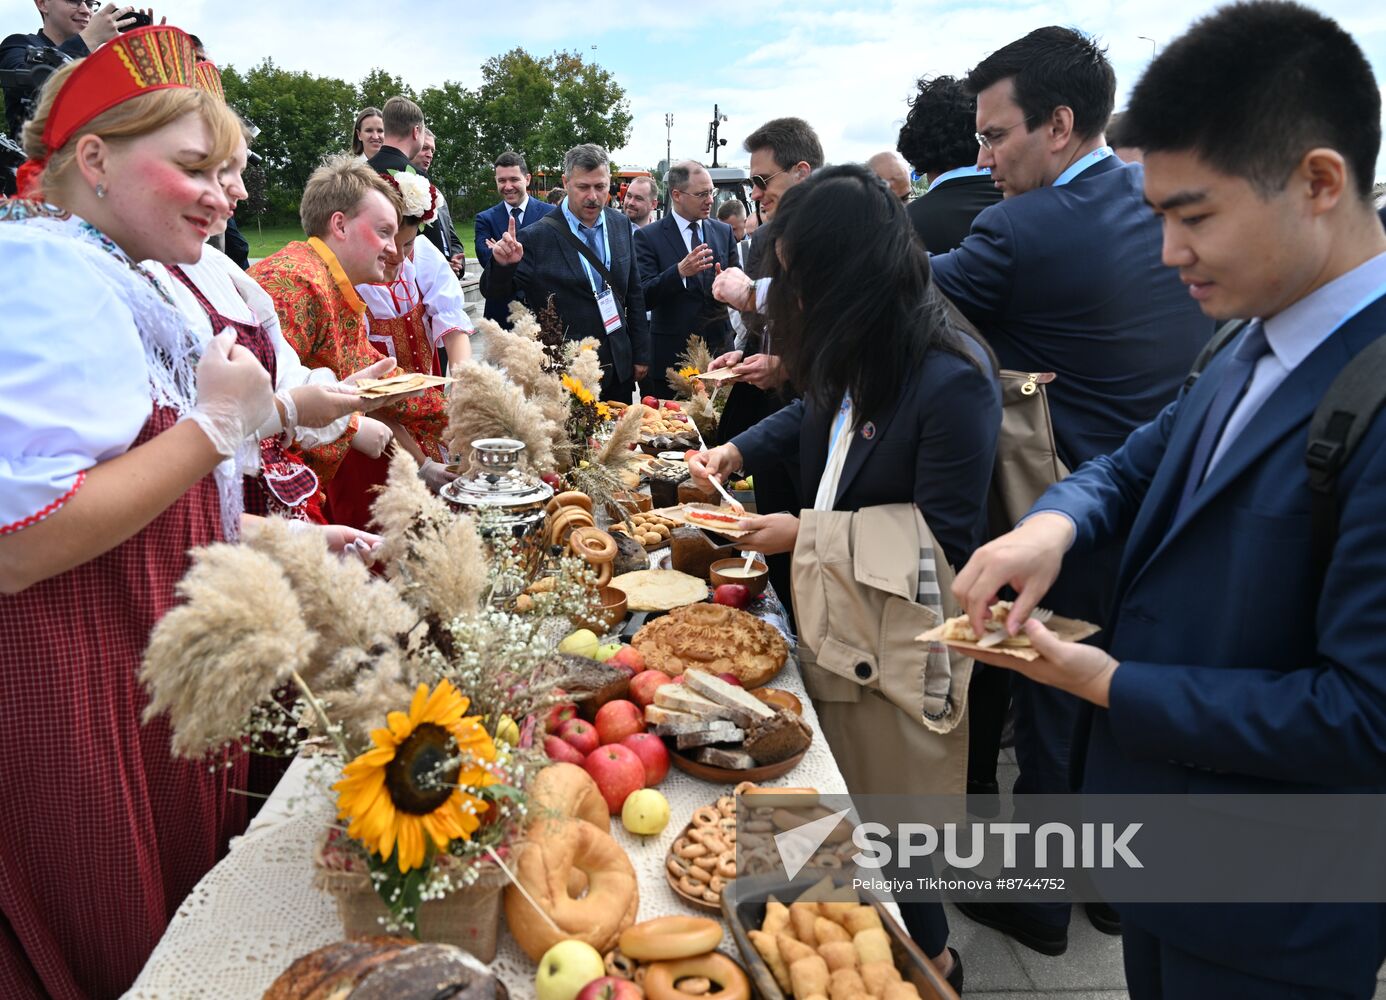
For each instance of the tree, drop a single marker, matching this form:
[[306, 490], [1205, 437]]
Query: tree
[[451, 114], [301, 119], [378, 87]]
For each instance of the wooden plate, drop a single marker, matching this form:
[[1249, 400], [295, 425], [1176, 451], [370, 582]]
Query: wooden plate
[[732, 776], [697, 902]]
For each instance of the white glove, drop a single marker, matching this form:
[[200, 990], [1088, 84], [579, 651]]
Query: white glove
[[234, 394], [372, 437], [435, 474], [317, 405]]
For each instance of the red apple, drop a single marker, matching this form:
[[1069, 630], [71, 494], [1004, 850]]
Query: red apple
[[653, 754], [611, 988], [651, 402], [733, 595], [580, 734], [643, 685], [628, 656], [560, 713], [552, 479], [618, 719], [559, 749], [671, 405], [730, 678], [617, 772]]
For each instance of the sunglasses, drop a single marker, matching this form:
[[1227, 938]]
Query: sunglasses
[[762, 181]]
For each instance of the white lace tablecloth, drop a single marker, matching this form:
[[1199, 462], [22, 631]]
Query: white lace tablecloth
[[257, 910]]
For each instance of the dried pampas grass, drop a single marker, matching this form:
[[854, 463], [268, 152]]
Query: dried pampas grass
[[213, 659], [696, 354], [700, 410], [445, 571], [339, 598], [522, 359], [616, 452], [486, 405], [683, 386], [367, 688], [586, 365], [404, 506]]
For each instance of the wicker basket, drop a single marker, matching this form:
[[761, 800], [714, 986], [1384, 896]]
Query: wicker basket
[[469, 918]]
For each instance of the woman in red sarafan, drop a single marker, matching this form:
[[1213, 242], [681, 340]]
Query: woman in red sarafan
[[113, 420]]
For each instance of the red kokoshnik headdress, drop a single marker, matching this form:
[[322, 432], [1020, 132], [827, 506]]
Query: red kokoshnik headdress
[[137, 62]]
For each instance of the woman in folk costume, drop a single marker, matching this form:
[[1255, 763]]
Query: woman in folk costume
[[350, 216], [112, 420], [312, 408]]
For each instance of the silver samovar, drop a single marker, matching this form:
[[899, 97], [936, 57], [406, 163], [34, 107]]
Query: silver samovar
[[509, 503]]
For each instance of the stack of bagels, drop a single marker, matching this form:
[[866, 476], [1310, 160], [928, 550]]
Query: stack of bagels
[[676, 958], [568, 848]]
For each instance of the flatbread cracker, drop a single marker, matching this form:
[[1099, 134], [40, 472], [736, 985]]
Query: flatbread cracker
[[659, 589]]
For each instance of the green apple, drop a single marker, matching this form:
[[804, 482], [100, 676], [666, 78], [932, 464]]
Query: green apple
[[583, 642], [645, 812], [565, 969], [607, 651]]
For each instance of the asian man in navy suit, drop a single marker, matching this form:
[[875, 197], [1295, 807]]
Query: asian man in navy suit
[[1064, 275], [678, 256], [1240, 658], [512, 181]]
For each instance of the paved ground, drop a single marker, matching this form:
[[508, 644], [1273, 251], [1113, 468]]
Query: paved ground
[[999, 969]]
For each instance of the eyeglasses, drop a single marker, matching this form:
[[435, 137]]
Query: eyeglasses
[[989, 138], [698, 195], [88, 4]]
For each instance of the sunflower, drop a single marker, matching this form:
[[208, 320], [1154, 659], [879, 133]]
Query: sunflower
[[409, 786], [575, 386], [690, 371], [603, 411]]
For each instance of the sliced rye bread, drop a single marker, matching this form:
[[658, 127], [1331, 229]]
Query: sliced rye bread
[[736, 760], [679, 698], [716, 732], [778, 738], [715, 689]]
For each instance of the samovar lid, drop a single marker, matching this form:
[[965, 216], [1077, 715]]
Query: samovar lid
[[495, 479]]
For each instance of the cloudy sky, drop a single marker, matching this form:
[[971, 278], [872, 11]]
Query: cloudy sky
[[846, 66]]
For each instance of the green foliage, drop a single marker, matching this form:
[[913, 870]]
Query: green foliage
[[538, 106]]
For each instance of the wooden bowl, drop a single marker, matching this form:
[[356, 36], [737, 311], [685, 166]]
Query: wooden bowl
[[780, 698], [613, 611], [697, 902], [755, 583], [728, 775]]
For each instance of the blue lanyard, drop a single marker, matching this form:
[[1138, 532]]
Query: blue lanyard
[[1096, 156], [948, 175], [593, 277]]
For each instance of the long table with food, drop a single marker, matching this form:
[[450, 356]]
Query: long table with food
[[689, 665]]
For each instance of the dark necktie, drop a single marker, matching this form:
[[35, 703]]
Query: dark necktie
[[515, 214], [589, 236], [1251, 347], [695, 282]]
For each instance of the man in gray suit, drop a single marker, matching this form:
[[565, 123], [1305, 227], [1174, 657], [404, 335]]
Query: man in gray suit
[[583, 256]]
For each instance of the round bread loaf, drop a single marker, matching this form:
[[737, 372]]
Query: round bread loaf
[[715, 639]]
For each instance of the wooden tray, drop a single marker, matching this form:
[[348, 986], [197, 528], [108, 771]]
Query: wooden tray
[[728, 775]]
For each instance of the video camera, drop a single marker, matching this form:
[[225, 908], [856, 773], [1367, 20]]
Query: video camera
[[25, 82]]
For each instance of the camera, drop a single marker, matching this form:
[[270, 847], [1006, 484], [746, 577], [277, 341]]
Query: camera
[[138, 19]]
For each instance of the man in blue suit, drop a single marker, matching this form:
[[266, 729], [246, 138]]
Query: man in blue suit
[[512, 181], [1064, 275], [583, 256], [1241, 657], [678, 256]]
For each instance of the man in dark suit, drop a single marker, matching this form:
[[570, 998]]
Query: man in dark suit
[[939, 140], [1064, 275], [442, 234], [404, 128], [1246, 652], [678, 256], [545, 260], [512, 181]]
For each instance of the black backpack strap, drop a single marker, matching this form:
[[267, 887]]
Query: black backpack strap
[[1339, 422], [1221, 337]]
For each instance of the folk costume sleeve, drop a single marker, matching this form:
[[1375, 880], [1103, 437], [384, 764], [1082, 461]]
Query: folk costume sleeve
[[53, 426], [441, 293]]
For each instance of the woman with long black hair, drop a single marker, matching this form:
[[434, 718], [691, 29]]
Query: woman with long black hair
[[896, 426]]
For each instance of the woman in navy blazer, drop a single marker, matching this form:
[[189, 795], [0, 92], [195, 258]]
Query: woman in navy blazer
[[855, 315]]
